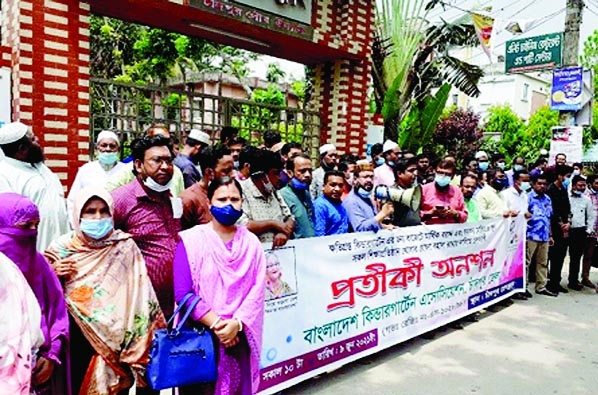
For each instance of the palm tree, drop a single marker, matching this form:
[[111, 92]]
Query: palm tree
[[410, 57]]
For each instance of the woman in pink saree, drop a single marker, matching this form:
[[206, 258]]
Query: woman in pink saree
[[225, 265], [20, 335], [112, 305], [19, 218]]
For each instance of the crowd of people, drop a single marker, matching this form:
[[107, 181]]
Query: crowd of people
[[142, 232]]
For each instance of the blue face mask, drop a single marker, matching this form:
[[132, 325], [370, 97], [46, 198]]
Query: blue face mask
[[442, 180], [390, 163], [501, 165], [226, 215], [96, 228], [575, 173], [566, 182], [525, 186], [364, 193], [483, 166], [576, 193], [108, 158], [298, 185], [518, 167], [379, 161]]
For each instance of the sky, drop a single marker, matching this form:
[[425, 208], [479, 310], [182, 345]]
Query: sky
[[551, 15]]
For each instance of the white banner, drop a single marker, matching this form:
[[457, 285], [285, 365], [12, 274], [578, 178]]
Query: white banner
[[567, 140], [345, 297]]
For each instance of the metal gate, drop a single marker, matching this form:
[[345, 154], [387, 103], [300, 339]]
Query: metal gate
[[130, 109]]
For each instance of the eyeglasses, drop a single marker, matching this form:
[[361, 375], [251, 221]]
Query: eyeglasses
[[159, 161]]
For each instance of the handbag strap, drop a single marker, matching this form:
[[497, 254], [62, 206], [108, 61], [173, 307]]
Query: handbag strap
[[178, 308], [194, 303]]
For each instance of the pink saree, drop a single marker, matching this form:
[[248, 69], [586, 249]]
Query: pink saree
[[231, 283]]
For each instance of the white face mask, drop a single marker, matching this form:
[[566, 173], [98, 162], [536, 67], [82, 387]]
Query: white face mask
[[154, 186]]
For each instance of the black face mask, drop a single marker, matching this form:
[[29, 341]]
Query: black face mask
[[500, 184]]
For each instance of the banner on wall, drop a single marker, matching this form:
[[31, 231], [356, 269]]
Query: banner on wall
[[345, 297]]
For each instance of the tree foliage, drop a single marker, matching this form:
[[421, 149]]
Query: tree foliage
[[458, 133], [503, 121]]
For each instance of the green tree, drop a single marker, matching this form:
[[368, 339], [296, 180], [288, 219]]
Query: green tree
[[504, 122], [589, 57], [458, 133], [275, 74]]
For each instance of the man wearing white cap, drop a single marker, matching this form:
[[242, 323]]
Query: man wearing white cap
[[186, 160], [96, 173], [328, 161], [22, 171], [482, 158], [385, 175]]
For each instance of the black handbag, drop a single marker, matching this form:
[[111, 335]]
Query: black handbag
[[183, 355]]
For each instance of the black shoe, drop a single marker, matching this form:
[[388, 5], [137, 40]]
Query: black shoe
[[456, 325], [562, 289], [475, 317], [547, 292], [520, 296], [528, 294], [575, 287]]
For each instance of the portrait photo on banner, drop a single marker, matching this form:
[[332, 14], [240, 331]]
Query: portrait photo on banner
[[281, 273]]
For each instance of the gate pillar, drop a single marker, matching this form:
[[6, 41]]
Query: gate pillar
[[46, 45]]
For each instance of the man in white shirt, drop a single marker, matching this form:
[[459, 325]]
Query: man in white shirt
[[98, 172], [515, 196], [583, 219], [22, 171]]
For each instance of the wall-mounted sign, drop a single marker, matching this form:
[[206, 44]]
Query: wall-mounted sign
[[567, 87], [284, 16], [299, 10], [567, 140], [534, 53]]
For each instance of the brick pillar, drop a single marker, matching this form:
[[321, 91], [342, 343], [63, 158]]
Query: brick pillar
[[340, 87], [48, 42]]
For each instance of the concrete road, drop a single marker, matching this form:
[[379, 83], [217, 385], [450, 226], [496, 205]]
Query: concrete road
[[541, 346]]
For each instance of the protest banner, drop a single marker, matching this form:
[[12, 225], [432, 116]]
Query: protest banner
[[352, 295]]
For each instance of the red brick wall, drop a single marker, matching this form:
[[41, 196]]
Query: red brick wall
[[48, 41], [341, 87]]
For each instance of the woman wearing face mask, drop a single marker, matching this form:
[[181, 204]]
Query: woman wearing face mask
[[99, 171], [19, 217], [107, 290], [229, 278]]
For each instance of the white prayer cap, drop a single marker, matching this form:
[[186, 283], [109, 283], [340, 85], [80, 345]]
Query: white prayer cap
[[389, 145], [107, 134], [481, 154], [543, 152], [277, 147], [200, 136], [11, 132], [327, 148]]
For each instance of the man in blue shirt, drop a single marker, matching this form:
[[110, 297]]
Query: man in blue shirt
[[358, 203], [330, 217], [539, 235], [296, 195], [187, 159]]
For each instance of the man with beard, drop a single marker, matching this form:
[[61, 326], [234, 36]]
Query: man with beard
[[328, 161], [22, 171], [297, 197], [145, 209], [358, 202], [187, 159], [330, 217], [384, 175]]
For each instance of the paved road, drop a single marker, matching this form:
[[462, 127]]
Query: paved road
[[541, 346]]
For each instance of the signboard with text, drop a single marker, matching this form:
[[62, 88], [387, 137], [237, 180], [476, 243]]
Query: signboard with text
[[534, 53], [291, 17], [352, 295], [567, 140], [567, 88]]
